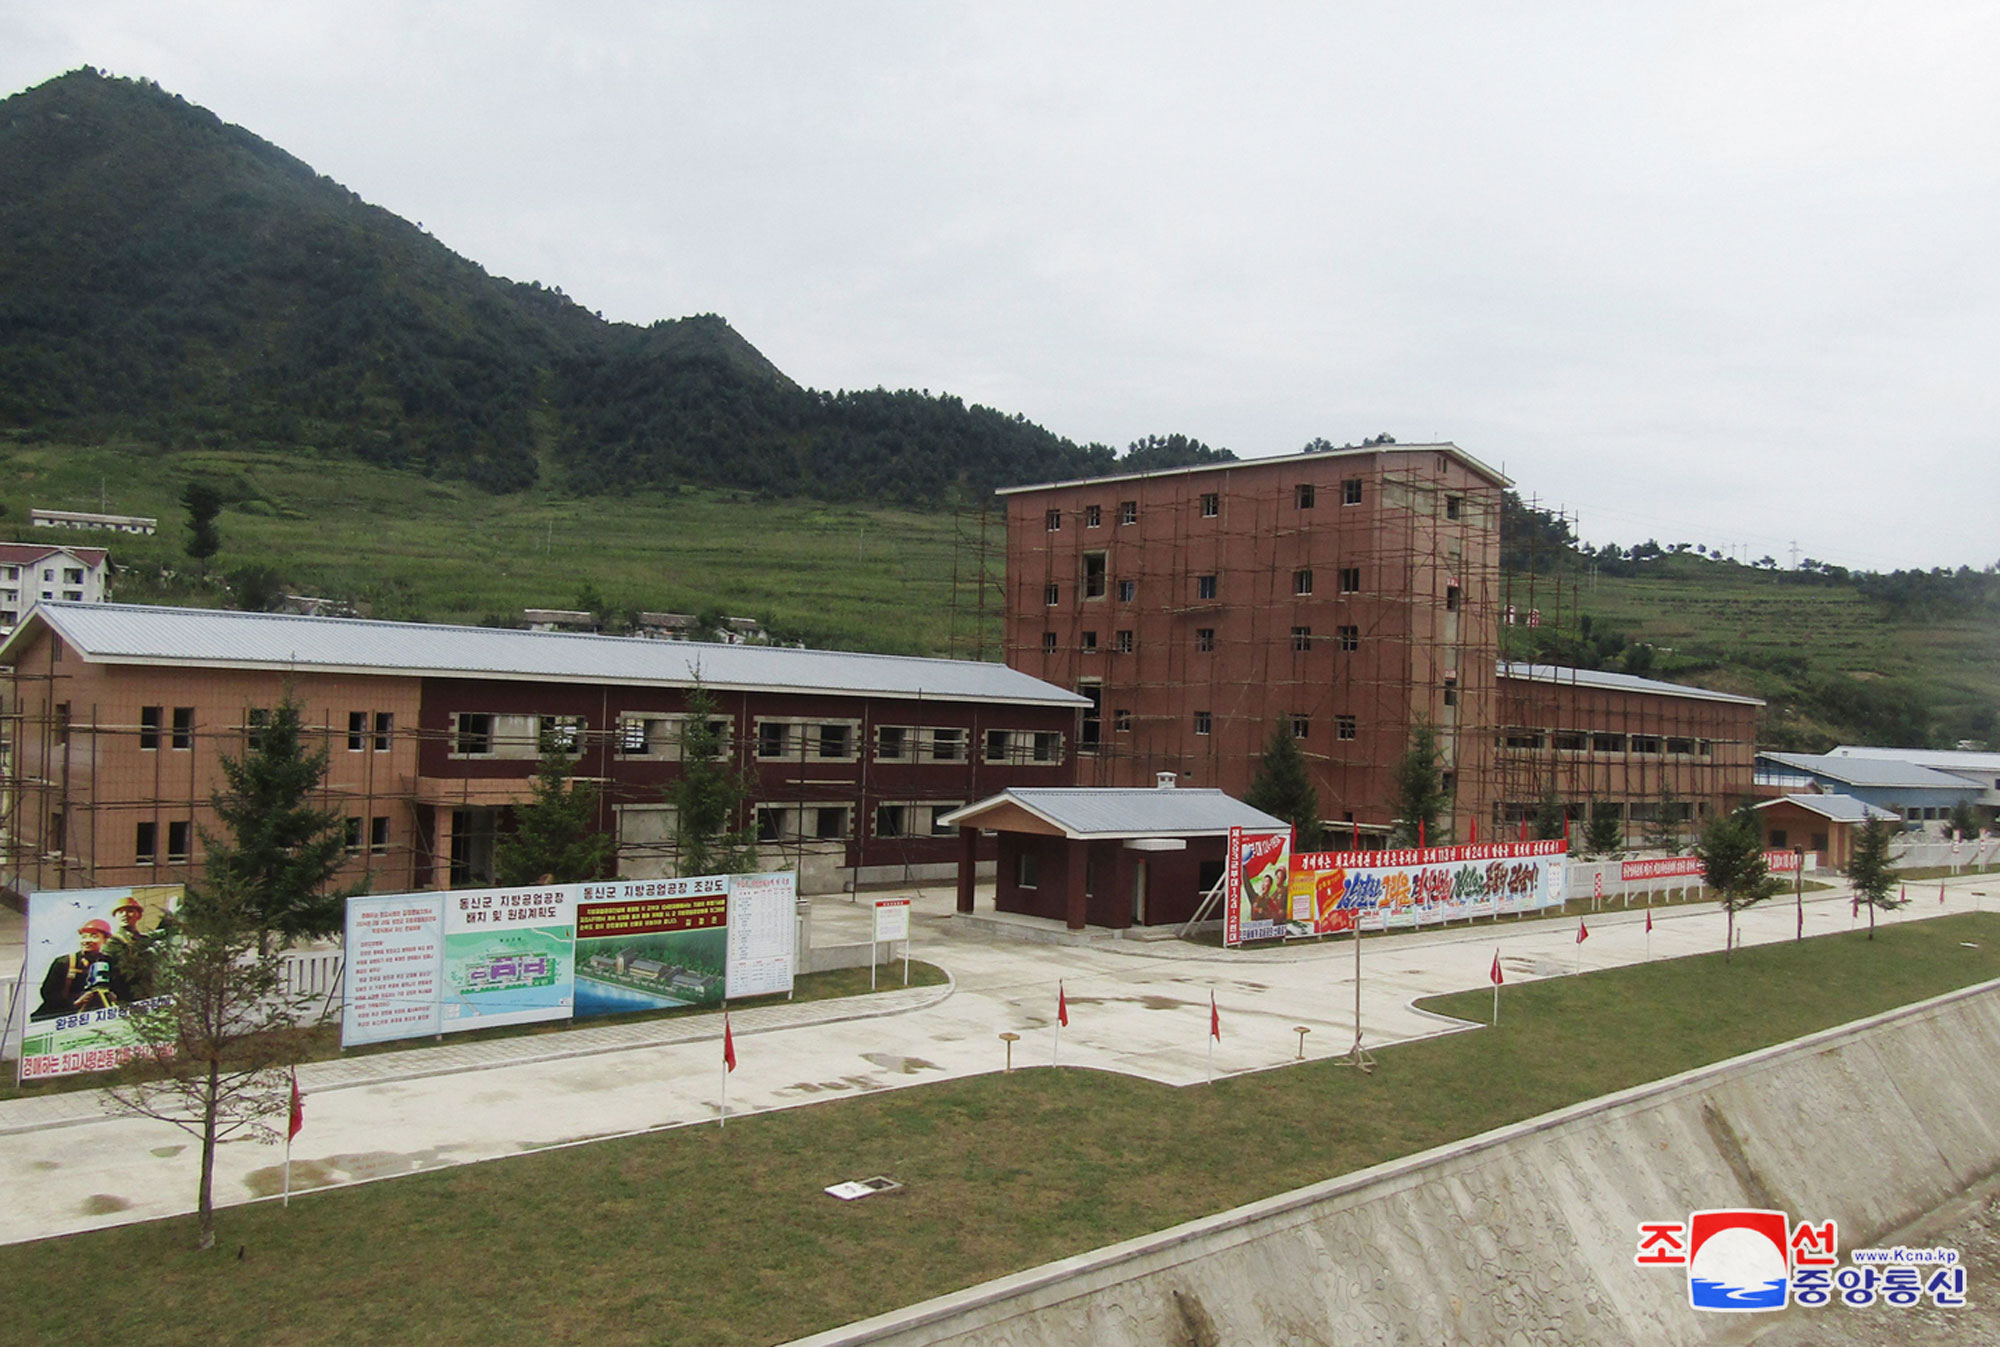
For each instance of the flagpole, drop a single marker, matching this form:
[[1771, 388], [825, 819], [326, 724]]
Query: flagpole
[[288, 1173]]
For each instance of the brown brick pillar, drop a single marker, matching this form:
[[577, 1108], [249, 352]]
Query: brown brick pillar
[[1079, 877], [968, 866]]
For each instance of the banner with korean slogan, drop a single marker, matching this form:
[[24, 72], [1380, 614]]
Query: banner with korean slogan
[[509, 956], [1255, 886], [89, 965], [1334, 891]]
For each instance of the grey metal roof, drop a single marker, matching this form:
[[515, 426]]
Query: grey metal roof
[[107, 633], [1349, 451], [1879, 772], [1617, 682], [1839, 808], [1955, 760], [1111, 812]]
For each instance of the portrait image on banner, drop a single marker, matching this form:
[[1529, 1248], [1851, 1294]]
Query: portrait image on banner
[[91, 961], [1257, 886], [509, 956], [651, 944]]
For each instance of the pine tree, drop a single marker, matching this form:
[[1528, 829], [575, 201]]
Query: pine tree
[[1418, 797], [1869, 870], [1283, 789], [1732, 860], [1663, 830], [203, 503], [276, 851], [1549, 816], [1604, 834], [708, 799], [555, 833]]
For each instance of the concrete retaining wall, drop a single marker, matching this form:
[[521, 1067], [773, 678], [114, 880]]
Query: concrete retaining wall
[[1527, 1234]]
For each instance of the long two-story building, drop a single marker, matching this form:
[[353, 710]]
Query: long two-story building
[[118, 718]]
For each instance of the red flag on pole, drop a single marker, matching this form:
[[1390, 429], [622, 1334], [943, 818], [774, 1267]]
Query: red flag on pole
[[728, 1044], [298, 1109], [1565, 827], [1855, 911], [1495, 975], [1214, 1019], [1357, 834], [1582, 932], [1524, 827], [1420, 834], [1649, 921], [1475, 830], [1062, 1006], [1940, 892]]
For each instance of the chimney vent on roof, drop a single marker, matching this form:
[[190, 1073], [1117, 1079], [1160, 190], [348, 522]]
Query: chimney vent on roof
[[1165, 780]]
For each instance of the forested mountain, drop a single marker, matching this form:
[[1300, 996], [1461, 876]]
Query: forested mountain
[[169, 278]]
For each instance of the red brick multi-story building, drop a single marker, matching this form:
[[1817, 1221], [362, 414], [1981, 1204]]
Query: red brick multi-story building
[[117, 719], [1352, 593]]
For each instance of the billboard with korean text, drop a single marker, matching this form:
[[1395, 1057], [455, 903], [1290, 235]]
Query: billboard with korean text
[[89, 965], [1334, 891], [1255, 894]]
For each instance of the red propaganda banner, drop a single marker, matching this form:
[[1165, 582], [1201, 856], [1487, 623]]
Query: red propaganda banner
[[1257, 892], [1336, 891], [1689, 867]]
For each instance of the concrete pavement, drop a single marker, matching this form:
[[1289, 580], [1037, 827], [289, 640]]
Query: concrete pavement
[[1139, 1007]]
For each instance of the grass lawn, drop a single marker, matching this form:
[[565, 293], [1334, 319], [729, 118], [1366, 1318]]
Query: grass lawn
[[700, 1235]]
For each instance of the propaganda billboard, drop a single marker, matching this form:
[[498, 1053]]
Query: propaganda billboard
[[1256, 897], [1334, 891], [89, 965]]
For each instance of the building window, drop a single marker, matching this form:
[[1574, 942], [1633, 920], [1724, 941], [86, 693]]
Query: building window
[[1052, 595], [177, 842], [351, 835], [1301, 726], [559, 734], [472, 734], [1093, 516], [59, 831], [385, 730], [72, 575], [1302, 495], [1451, 694], [1088, 640], [1302, 582], [1454, 507], [1302, 638], [890, 821], [1518, 738], [1345, 727], [1204, 638], [378, 835], [1093, 716], [254, 726], [1128, 590], [1128, 511], [183, 727], [890, 743], [939, 828], [1048, 643], [948, 745], [1027, 874], [1571, 741], [1645, 743], [1121, 721], [771, 822], [1687, 746], [635, 736], [1204, 586], [1204, 722], [1350, 491], [1349, 638], [774, 739], [1451, 598], [1041, 747], [1054, 521], [1777, 838], [73, 595], [149, 727], [1093, 575], [1600, 743], [1211, 505], [357, 731], [1121, 642], [146, 843], [835, 741], [830, 823], [1350, 579]]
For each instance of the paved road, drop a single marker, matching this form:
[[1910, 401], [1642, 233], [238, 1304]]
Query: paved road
[[1139, 1007]]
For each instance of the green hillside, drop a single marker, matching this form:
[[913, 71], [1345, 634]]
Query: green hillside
[[172, 281]]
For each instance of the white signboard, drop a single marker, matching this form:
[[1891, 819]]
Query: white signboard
[[395, 954], [509, 956], [763, 934], [892, 920]]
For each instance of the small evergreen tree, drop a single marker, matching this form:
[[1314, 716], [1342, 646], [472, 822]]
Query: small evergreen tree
[[1869, 870], [277, 852], [1283, 789], [1663, 830], [556, 832], [1963, 820], [1732, 859], [203, 503], [1549, 816], [1604, 834], [1418, 798], [708, 799]]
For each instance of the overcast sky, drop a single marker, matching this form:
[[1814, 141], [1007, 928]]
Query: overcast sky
[[1721, 273]]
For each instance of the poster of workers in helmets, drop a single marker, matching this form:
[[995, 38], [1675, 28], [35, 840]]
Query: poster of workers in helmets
[[90, 962]]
